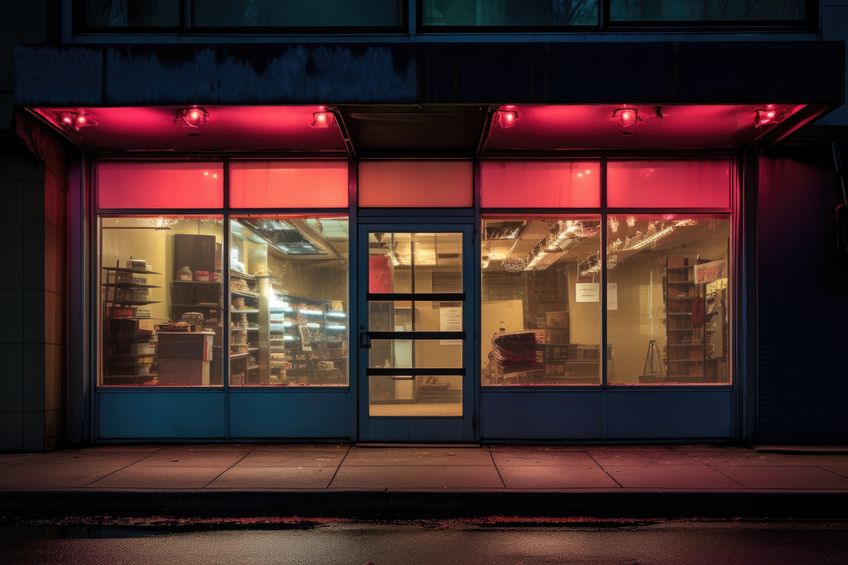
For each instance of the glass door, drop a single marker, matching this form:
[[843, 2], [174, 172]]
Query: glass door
[[415, 357]]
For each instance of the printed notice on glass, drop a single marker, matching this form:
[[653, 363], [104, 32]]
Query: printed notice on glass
[[450, 320], [612, 296], [587, 292], [591, 292], [709, 272]]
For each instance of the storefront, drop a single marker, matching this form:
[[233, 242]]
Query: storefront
[[504, 298], [441, 271]]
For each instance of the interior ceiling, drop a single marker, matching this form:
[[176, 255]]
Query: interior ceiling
[[411, 130]]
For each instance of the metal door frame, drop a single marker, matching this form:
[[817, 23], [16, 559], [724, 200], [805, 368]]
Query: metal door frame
[[431, 428]]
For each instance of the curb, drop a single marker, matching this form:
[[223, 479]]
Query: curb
[[390, 505]]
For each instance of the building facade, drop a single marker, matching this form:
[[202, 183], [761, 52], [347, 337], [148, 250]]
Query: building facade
[[389, 221]]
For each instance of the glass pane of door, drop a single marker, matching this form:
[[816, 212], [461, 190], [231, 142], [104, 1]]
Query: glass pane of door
[[415, 306]]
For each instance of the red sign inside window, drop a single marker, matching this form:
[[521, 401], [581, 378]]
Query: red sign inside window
[[540, 184]]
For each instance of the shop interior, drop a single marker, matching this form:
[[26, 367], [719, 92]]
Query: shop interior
[[163, 304], [666, 295]]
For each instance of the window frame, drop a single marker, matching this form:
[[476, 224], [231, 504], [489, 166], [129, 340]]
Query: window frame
[[730, 214], [226, 213]]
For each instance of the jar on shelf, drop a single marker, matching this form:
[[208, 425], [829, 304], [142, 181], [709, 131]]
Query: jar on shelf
[[184, 273]]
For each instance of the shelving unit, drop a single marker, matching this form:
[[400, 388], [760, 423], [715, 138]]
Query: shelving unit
[[246, 367], [129, 350], [684, 304], [308, 340]]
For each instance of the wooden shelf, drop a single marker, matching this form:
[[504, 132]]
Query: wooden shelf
[[128, 270], [196, 282], [244, 276], [244, 293], [129, 285]]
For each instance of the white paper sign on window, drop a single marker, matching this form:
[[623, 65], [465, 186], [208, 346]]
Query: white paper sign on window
[[450, 320], [591, 292], [587, 292], [612, 296]]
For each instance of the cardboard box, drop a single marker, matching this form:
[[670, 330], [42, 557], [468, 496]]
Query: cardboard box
[[556, 320], [183, 372], [556, 336]]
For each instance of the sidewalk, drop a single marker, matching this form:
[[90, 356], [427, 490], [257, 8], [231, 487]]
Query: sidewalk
[[364, 481]]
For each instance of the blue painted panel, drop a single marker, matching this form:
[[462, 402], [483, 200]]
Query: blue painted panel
[[544, 415], [161, 414], [669, 414], [289, 414], [417, 430]]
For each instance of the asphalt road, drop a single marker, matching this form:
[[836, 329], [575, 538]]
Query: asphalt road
[[710, 543]]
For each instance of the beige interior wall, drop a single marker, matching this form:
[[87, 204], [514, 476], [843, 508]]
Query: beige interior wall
[[434, 353], [154, 246]]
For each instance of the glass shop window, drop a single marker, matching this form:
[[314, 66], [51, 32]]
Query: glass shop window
[[669, 184], [155, 185], [289, 301], [107, 14], [509, 13], [540, 184], [296, 13], [540, 300], [416, 184], [700, 11], [668, 303], [288, 184], [161, 300]]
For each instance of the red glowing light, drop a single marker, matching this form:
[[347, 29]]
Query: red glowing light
[[81, 120], [322, 119], [627, 117], [67, 119], [193, 117], [506, 118], [767, 116]]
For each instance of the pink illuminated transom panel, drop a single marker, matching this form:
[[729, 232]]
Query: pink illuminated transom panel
[[289, 184], [159, 185], [545, 184], [669, 184], [407, 184]]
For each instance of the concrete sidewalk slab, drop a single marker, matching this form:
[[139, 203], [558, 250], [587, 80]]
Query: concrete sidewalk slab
[[342, 480], [556, 477], [275, 478], [795, 477]]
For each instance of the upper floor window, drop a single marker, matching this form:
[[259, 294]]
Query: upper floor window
[[699, 11], [298, 14], [150, 15], [509, 13], [109, 14]]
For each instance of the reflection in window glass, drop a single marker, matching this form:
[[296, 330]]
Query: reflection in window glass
[[510, 13], [288, 301], [541, 313], [698, 10], [668, 306], [295, 13], [101, 14], [161, 298]]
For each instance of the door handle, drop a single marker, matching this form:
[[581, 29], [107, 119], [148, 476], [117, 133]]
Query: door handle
[[364, 340]]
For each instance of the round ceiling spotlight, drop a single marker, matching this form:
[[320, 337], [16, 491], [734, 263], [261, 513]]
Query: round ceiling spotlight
[[768, 115], [74, 120], [626, 116], [322, 119], [193, 116], [506, 119]]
